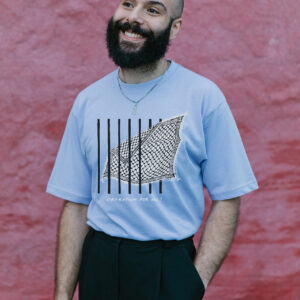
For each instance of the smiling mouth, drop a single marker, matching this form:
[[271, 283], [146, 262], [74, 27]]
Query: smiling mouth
[[130, 36]]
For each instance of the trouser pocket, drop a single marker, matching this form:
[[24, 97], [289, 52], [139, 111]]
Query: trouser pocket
[[84, 254], [189, 253]]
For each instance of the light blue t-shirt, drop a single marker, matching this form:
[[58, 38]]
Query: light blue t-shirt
[[143, 175]]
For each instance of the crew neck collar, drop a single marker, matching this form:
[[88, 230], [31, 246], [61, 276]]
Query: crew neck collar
[[170, 69]]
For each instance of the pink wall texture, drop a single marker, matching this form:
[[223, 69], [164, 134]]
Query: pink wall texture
[[50, 50]]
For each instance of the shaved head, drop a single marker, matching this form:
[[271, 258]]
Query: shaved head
[[177, 8]]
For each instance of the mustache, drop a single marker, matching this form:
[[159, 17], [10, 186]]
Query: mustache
[[135, 28]]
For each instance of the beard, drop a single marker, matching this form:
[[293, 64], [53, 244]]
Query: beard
[[126, 54]]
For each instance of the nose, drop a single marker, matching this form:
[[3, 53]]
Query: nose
[[135, 16]]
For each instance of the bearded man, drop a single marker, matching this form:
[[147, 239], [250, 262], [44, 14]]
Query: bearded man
[[139, 146]]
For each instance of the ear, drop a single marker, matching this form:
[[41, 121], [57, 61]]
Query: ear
[[175, 28]]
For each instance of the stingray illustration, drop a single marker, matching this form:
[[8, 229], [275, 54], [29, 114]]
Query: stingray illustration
[[159, 145]]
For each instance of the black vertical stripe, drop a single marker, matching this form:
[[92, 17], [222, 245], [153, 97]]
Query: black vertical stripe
[[119, 155], [129, 156], [150, 187], [140, 157], [160, 182], [108, 155], [98, 137]]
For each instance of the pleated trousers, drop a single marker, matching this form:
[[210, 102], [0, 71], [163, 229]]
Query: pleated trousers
[[114, 268]]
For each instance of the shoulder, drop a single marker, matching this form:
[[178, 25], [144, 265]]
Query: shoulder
[[202, 88], [194, 77], [91, 92], [199, 82]]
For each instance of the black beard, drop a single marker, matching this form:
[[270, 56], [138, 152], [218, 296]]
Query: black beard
[[154, 47]]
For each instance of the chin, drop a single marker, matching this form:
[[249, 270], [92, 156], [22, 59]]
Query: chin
[[129, 47]]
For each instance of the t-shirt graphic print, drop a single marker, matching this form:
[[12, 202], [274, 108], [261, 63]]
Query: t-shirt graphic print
[[145, 158]]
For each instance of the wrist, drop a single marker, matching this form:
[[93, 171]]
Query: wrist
[[61, 296], [205, 283], [203, 278]]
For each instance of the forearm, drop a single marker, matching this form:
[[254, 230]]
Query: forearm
[[72, 230], [217, 237]]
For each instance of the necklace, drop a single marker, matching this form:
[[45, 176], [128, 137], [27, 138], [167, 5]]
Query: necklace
[[148, 92]]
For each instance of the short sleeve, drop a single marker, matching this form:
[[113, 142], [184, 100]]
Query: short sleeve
[[71, 176], [226, 172]]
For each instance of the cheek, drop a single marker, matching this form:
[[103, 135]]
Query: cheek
[[119, 15], [157, 24]]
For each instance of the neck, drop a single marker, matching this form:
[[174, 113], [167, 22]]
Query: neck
[[144, 73]]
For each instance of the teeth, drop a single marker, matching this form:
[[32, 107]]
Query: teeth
[[133, 35]]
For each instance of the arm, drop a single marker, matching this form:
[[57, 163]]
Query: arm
[[217, 237], [71, 233]]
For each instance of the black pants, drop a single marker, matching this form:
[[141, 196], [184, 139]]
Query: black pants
[[125, 269]]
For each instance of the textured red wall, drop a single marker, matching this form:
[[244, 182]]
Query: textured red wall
[[50, 50]]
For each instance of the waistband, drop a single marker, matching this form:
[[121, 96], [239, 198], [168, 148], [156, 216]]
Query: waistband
[[158, 242]]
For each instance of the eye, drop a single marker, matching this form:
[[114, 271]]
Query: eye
[[126, 4], [153, 11]]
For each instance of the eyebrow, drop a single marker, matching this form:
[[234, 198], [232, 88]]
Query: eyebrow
[[153, 2], [158, 3]]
